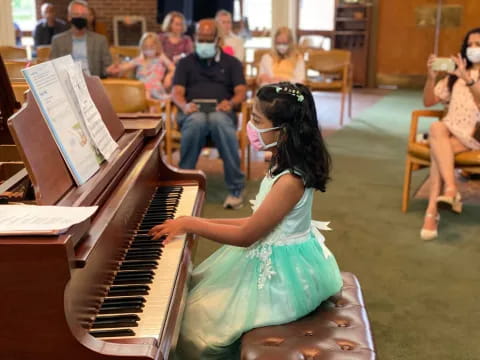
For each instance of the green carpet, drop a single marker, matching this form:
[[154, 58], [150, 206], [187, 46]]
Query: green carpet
[[422, 297]]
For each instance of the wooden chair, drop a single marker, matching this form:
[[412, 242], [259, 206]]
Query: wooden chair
[[418, 154], [252, 68], [19, 89], [307, 42], [119, 53], [173, 135], [335, 74], [14, 69], [43, 53], [129, 96], [13, 52]]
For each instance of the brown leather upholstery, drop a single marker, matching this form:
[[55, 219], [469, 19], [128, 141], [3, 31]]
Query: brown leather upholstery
[[337, 330]]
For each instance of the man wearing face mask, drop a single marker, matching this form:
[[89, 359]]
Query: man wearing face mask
[[90, 48], [209, 73], [283, 63]]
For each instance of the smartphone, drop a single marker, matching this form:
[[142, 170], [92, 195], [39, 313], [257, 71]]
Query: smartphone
[[443, 64], [206, 105]]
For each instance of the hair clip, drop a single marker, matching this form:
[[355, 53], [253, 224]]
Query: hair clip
[[293, 92]]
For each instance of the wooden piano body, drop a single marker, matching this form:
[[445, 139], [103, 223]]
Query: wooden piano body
[[52, 286]]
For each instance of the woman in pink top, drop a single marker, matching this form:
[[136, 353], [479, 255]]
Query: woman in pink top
[[461, 90], [175, 44]]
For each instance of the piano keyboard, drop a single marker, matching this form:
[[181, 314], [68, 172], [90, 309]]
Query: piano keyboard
[[139, 298]]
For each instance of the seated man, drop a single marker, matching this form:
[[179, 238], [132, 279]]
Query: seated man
[[230, 40], [209, 73], [48, 26], [90, 48]]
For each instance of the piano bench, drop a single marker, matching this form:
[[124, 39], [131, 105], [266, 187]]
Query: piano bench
[[337, 330]]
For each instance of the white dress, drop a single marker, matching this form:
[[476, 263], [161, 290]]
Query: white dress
[[462, 113]]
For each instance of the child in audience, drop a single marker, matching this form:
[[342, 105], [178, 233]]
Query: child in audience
[[152, 67], [274, 267]]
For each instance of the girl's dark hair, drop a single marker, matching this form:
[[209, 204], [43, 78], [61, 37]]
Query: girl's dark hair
[[300, 145], [452, 79]]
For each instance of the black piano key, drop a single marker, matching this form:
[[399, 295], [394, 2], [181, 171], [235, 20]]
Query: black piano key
[[128, 290], [134, 273], [115, 321], [123, 300], [124, 276], [143, 245], [134, 265], [112, 333], [121, 309], [143, 256], [132, 281]]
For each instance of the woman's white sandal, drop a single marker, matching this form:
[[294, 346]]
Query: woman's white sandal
[[426, 234], [453, 203]]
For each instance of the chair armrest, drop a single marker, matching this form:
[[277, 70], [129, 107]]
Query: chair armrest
[[155, 106], [416, 115]]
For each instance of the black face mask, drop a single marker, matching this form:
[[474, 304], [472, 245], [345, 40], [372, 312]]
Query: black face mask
[[79, 22]]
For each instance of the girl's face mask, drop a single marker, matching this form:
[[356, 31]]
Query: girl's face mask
[[149, 53], [255, 136]]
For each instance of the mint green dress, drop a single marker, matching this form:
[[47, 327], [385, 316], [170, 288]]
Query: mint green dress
[[278, 279]]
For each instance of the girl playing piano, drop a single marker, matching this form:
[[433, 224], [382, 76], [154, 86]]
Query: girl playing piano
[[274, 267]]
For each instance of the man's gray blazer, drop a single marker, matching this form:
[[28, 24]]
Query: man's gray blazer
[[97, 50]]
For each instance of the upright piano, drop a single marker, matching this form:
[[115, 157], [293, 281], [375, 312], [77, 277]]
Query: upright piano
[[103, 290]]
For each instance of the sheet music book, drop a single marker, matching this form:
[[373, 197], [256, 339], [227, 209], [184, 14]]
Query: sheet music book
[[82, 141], [41, 220], [94, 124]]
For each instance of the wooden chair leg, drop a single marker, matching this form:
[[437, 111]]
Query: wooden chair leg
[[350, 104], [341, 108], [406, 184]]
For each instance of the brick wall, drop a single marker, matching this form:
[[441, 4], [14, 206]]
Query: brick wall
[[107, 9]]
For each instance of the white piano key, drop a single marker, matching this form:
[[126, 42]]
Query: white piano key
[[152, 319]]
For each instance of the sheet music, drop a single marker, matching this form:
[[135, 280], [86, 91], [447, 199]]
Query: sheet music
[[63, 118], [42, 220], [93, 120]]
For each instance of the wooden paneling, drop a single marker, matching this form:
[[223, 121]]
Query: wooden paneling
[[403, 48]]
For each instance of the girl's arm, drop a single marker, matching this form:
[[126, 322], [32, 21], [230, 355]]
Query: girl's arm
[[283, 197], [117, 69], [236, 222]]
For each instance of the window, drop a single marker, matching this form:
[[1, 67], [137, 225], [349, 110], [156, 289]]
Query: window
[[316, 15], [24, 14], [259, 14]]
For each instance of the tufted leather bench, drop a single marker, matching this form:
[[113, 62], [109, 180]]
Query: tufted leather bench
[[337, 330]]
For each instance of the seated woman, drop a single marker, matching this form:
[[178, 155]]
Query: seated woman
[[175, 44], [152, 67], [283, 63], [461, 90]]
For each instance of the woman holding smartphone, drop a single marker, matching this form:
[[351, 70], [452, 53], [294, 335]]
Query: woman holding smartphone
[[456, 132]]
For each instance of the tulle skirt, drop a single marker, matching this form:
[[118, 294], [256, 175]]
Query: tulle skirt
[[238, 289]]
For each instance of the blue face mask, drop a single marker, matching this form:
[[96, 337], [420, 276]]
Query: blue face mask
[[205, 50]]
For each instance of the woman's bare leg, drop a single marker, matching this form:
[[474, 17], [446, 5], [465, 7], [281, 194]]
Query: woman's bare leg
[[443, 148], [430, 222]]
